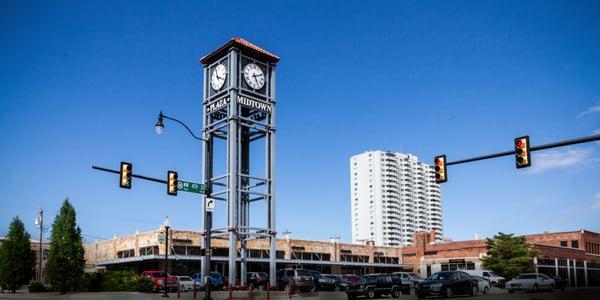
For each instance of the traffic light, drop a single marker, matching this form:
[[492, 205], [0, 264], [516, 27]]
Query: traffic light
[[172, 183], [440, 169], [522, 153], [125, 179]]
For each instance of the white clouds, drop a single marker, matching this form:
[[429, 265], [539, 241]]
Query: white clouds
[[596, 202], [591, 110], [557, 159]]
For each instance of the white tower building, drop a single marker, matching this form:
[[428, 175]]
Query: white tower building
[[393, 195]]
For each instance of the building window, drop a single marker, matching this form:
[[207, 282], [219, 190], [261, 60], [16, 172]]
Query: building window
[[575, 244], [152, 250], [126, 253], [564, 244]]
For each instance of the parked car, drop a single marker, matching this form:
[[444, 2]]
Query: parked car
[[158, 278], [214, 278], [410, 278], [447, 284], [339, 281], [559, 283], [375, 285], [531, 282], [294, 280], [323, 283], [483, 284], [494, 279], [348, 281], [256, 279], [186, 283]]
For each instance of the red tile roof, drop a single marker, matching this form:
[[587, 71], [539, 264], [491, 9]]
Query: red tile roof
[[242, 43]]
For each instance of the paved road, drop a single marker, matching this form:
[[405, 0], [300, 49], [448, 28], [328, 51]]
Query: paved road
[[495, 294]]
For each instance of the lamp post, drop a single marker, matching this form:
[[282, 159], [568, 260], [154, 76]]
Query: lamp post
[[160, 128], [166, 225]]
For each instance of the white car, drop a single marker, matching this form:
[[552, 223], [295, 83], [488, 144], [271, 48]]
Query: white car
[[493, 278], [530, 282], [186, 283], [482, 284]]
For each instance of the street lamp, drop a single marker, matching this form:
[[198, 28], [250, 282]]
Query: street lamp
[[160, 127], [166, 224], [159, 124]]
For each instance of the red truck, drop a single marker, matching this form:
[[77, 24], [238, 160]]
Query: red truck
[[158, 278]]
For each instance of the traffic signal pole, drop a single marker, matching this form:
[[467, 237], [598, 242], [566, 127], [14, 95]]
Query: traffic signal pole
[[534, 148], [132, 175]]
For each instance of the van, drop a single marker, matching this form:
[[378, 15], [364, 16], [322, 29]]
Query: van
[[494, 279]]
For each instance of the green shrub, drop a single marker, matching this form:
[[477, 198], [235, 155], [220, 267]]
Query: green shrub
[[36, 287], [110, 281], [144, 285], [91, 282]]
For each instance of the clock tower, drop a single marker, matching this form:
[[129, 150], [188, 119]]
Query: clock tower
[[239, 124]]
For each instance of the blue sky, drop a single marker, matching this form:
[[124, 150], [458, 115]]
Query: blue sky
[[81, 83]]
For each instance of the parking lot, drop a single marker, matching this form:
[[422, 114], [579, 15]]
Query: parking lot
[[579, 294]]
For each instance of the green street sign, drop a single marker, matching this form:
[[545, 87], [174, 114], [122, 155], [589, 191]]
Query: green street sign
[[190, 187]]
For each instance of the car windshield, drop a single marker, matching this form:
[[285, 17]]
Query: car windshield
[[441, 276], [493, 274], [527, 276], [415, 276], [185, 279], [302, 273], [158, 274], [215, 275]]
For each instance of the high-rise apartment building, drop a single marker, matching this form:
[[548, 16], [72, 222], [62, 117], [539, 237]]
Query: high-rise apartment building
[[393, 195]]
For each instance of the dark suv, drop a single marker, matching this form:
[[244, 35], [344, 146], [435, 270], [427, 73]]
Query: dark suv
[[375, 285], [447, 284], [323, 283], [294, 280]]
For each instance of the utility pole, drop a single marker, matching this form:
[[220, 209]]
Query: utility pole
[[40, 222]]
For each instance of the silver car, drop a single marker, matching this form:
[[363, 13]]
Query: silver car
[[532, 282], [410, 278], [483, 285], [186, 283]]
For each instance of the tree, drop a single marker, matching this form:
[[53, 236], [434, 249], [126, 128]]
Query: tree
[[509, 255], [17, 261], [65, 260]]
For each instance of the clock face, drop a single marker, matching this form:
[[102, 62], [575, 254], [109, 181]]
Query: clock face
[[217, 80], [254, 76]]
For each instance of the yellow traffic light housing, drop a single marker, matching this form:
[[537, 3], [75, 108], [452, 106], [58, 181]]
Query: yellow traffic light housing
[[522, 152], [440, 169], [172, 183], [125, 178]]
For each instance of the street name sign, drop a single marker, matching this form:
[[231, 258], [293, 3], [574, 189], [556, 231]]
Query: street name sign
[[190, 187]]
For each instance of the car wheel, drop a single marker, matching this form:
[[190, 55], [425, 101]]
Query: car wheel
[[370, 294], [510, 291], [551, 288], [535, 288], [395, 293], [474, 290], [493, 284], [420, 296], [485, 289], [448, 292]]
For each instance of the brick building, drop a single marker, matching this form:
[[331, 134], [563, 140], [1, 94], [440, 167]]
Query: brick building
[[142, 251], [573, 255]]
